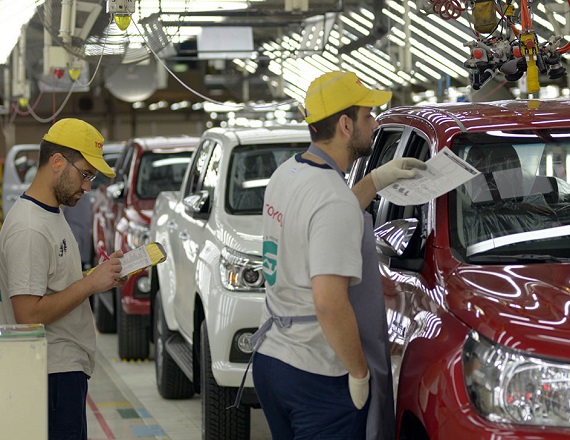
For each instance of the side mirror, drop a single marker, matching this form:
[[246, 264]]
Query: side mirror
[[197, 203], [393, 237], [115, 190]]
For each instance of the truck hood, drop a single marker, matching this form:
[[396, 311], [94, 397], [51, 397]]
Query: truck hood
[[242, 233], [526, 307]]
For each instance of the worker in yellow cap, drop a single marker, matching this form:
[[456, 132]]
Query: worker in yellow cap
[[41, 280], [322, 363]]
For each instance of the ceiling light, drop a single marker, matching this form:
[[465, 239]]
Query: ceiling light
[[158, 105], [179, 105]]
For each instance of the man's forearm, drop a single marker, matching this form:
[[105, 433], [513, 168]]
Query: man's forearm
[[33, 309], [364, 191], [337, 319]]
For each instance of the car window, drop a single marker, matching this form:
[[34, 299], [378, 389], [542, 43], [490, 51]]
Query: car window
[[199, 167], [416, 146], [26, 163], [100, 178], [386, 143], [520, 198], [213, 170], [161, 172], [123, 165], [249, 172]]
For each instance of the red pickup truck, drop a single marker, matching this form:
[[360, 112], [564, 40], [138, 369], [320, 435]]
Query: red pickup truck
[[121, 219]]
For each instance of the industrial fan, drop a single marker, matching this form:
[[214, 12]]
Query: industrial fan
[[80, 36]]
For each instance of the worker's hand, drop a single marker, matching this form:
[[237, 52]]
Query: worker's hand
[[105, 275], [359, 390], [400, 168]]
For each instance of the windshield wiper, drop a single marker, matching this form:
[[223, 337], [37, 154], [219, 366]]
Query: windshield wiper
[[520, 258]]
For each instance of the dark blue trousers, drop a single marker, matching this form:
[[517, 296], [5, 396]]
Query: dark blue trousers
[[306, 406], [67, 399]]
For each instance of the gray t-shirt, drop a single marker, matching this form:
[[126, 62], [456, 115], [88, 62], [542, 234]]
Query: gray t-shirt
[[312, 225], [39, 256]]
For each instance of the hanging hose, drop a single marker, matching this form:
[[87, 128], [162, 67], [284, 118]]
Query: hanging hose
[[448, 9]]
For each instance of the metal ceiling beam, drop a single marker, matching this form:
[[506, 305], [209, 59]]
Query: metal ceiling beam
[[252, 23], [267, 12]]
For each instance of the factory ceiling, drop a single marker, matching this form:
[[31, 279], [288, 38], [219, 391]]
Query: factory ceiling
[[258, 52]]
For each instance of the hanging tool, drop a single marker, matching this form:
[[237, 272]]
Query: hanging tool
[[528, 45]]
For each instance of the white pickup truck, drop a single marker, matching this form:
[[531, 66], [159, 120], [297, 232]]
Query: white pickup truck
[[211, 287]]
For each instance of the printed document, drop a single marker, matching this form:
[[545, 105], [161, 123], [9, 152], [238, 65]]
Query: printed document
[[141, 257], [445, 171]]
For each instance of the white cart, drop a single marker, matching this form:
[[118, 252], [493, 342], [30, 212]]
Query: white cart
[[23, 382]]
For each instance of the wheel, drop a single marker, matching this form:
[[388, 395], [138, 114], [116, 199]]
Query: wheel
[[219, 423], [132, 334], [104, 319], [171, 382]]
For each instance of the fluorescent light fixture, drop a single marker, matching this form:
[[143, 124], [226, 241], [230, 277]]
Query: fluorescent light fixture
[[330, 57], [428, 70], [347, 21], [368, 24], [225, 42], [387, 70], [373, 77], [180, 105], [158, 105], [368, 14], [397, 41], [451, 28], [393, 16]]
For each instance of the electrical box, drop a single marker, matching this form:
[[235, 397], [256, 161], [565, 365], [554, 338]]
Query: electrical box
[[121, 7]]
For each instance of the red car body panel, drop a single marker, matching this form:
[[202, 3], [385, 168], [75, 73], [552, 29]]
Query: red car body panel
[[522, 306], [112, 233]]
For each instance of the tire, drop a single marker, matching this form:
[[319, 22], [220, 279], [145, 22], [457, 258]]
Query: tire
[[171, 382], [219, 423], [104, 319], [132, 334]]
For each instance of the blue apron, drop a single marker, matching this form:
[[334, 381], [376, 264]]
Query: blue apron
[[367, 300]]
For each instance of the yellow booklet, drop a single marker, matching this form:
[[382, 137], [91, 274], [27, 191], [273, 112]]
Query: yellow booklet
[[141, 258]]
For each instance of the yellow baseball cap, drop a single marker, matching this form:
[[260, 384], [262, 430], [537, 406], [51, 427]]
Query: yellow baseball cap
[[83, 137], [335, 91]]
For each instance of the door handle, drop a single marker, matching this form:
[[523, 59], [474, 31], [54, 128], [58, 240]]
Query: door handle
[[171, 225], [183, 236]]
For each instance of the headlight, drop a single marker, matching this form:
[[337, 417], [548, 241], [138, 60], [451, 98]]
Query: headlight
[[241, 271], [511, 386], [137, 235]]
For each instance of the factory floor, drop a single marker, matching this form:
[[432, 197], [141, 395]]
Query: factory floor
[[123, 403]]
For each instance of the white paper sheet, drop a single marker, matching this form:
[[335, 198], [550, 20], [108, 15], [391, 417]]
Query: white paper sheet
[[134, 261], [445, 171]]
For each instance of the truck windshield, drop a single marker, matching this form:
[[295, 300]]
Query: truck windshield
[[250, 170], [161, 172], [520, 203]]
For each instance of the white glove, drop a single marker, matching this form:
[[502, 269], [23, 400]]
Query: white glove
[[359, 390], [400, 168]]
